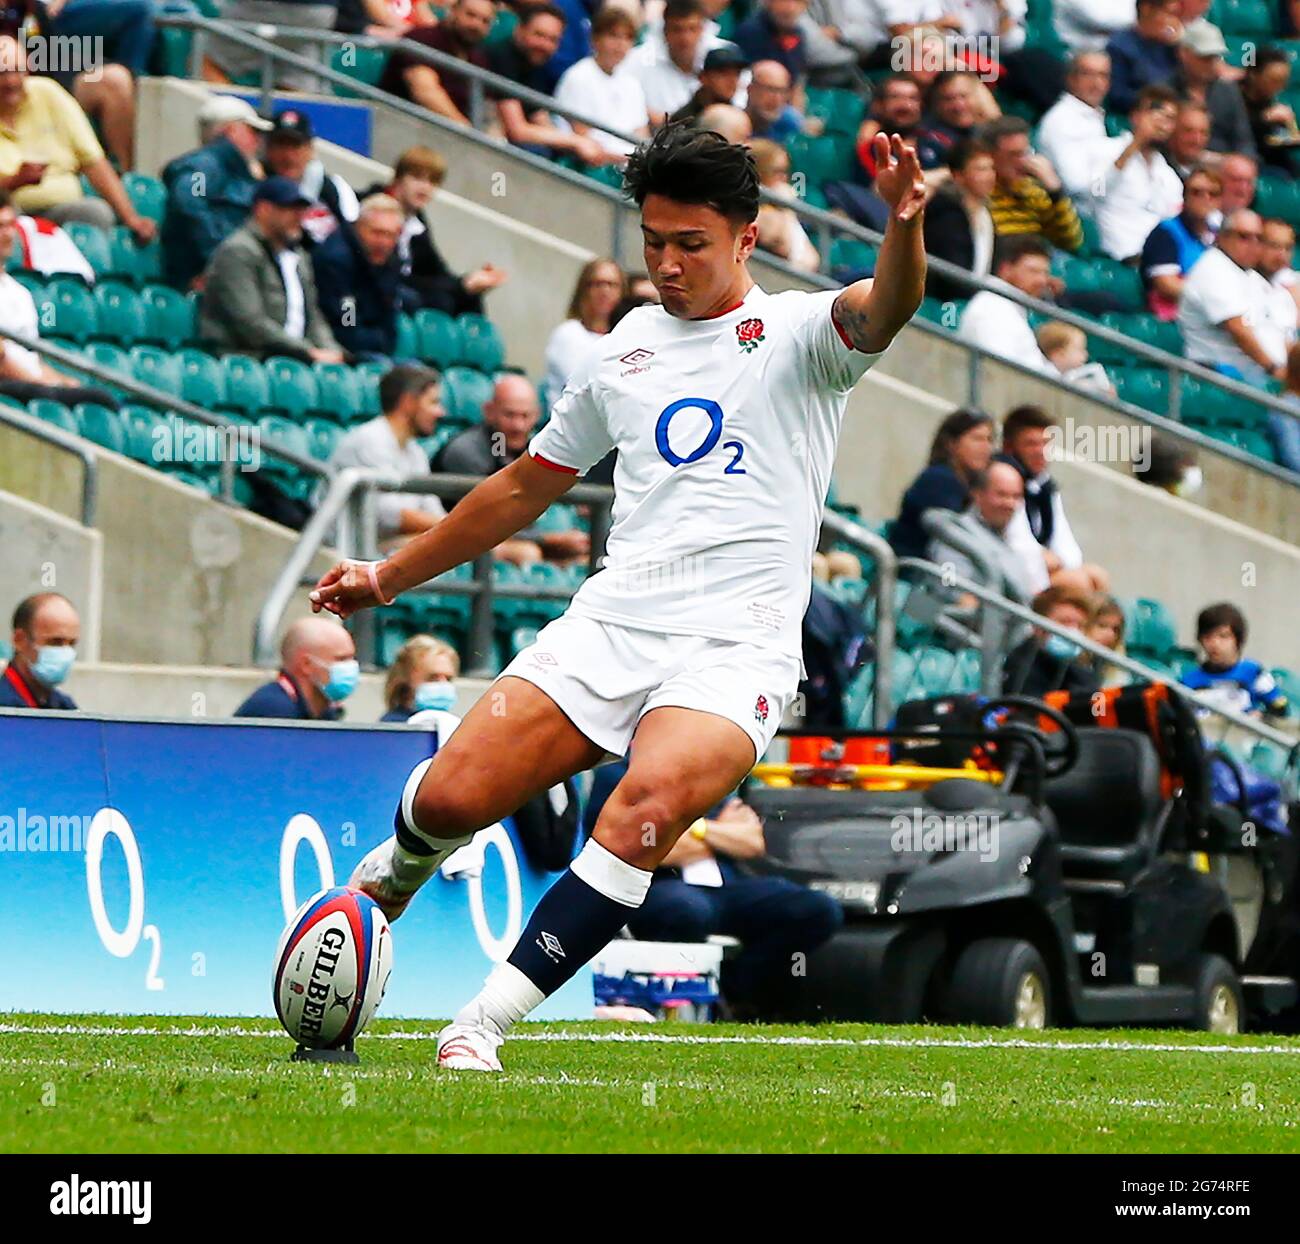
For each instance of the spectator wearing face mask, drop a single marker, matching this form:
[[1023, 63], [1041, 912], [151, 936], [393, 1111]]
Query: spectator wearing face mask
[[318, 671], [46, 629], [1171, 465], [1049, 662], [421, 678], [1106, 626]]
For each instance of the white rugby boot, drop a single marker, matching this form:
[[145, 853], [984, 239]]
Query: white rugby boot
[[468, 1047], [391, 875]]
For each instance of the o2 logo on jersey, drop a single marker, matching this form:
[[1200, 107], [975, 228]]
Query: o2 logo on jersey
[[711, 437]]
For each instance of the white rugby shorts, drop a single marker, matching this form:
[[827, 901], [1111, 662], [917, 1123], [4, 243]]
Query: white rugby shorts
[[606, 677]]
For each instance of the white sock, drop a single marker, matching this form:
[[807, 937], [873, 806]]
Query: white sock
[[506, 997], [411, 869]]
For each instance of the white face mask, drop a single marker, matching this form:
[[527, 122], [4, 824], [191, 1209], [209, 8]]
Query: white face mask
[[1190, 484]]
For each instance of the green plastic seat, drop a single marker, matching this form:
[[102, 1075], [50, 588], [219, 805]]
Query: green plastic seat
[[337, 393], [91, 242], [522, 637], [203, 379], [464, 391], [247, 388], [932, 674], [1275, 196], [140, 424], [840, 111], [147, 194], [130, 261], [853, 254], [105, 354], [1163, 335], [1147, 387], [1102, 276], [322, 437], [154, 366], [169, 316], [32, 282], [121, 313], [101, 425], [54, 413], [281, 432], [368, 376], [1203, 404], [407, 346], [438, 338], [481, 344], [1151, 630], [293, 385], [362, 63], [66, 308], [1244, 17], [822, 159]]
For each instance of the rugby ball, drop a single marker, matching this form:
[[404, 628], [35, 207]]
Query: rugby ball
[[332, 967]]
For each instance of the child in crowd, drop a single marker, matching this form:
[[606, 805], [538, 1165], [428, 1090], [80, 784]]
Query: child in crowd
[[1232, 680]]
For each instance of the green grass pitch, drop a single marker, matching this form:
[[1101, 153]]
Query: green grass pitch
[[163, 1084]]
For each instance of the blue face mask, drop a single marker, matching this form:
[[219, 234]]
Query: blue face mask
[[52, 664], [434, 695], [342, 680], [1061, 648]]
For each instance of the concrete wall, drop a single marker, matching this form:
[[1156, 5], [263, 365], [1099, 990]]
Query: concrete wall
[[201, 691], [47, 552], [183, 576]]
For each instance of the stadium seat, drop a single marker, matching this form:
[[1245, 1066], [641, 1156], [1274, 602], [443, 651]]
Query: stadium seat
[[1151, 631], [108, 356], [66, 308], [933, 672], [90, 241], [293, 385], [368, 377], [840, 111], [169, 316], [129, 261], [247, 388], [284, 433], [1102, 276], [101, 425], [1206, 405], [140, 424], [408, 342], [1244, 17], [1275, 196], [438, 338], [852, 254], [121, 314], [203, 380], [464, 391], [824, 158], [481, 344], [322, 436], [337, 392], [147, 194], [520, 638], [362, 63], [157, 367], [1163, 335], [1147, 387], [944, 312], [32, 282], [55, 413]]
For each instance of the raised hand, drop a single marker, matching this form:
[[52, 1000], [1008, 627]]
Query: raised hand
[[346, 588], [899, 180]]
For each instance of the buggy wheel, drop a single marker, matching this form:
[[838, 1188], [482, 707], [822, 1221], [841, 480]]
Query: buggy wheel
[[1001, 982], [1220, 1005]]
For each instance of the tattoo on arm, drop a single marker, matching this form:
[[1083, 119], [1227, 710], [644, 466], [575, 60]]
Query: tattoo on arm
[[853, 320]]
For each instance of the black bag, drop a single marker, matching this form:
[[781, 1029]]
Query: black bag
[[548, 836]]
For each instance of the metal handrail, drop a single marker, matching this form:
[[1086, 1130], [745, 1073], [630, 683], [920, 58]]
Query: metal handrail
[[64, 440], [824, 223], [948, 580], [168, 402], [348, 503]]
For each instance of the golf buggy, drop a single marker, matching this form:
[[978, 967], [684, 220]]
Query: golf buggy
[[1031, 862]]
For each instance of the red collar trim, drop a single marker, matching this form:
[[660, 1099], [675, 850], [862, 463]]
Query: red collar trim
[[290, 687], [19, 684], [735, 306]]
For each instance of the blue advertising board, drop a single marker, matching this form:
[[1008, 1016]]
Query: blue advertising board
[[149, 867]]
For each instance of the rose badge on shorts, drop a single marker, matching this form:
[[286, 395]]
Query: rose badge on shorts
[[749, 333], [760, 709]]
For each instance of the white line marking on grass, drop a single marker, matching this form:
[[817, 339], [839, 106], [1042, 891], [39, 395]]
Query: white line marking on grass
[[655, 1038]]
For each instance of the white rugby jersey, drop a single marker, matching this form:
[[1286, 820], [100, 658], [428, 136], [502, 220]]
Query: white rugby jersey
[[726, 431]]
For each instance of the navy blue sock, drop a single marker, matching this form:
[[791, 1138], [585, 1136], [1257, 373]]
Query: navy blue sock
[[578, 917]]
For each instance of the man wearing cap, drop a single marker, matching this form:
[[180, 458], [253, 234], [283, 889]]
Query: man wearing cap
[[291, 153], [45, 633], [1200, 80], [719, 81], [260, 295], [210, 190]]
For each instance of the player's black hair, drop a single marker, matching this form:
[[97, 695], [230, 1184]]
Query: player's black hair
[[690, 165], [402, 380], [1223, 614]]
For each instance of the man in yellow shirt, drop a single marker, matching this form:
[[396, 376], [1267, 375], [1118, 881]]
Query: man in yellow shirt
[[46, 141]]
